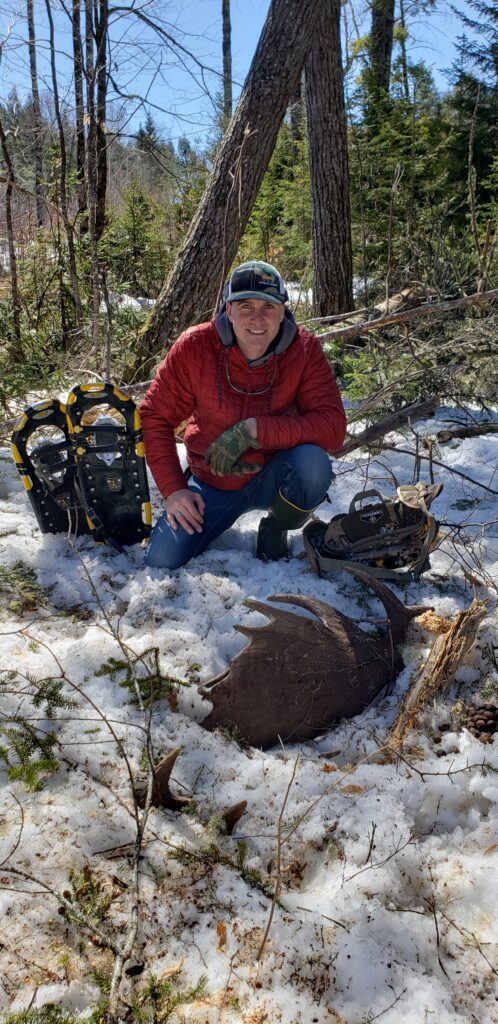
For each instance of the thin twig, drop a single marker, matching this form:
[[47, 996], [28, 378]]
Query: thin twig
[[278, 869]]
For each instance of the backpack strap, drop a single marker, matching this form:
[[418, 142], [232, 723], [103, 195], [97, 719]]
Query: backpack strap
[[323, 563]]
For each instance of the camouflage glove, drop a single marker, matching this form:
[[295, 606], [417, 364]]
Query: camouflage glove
[[222, 455]]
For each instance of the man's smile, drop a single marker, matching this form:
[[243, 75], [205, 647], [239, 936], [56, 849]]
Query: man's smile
[[256, 322]]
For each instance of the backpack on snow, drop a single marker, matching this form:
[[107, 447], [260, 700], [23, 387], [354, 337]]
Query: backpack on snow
[[389, 538]]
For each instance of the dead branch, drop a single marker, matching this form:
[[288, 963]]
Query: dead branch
[[278, 870], [466, 934], [436, 462], [447, 654], [469, 430], [387, 1008], [431, 904], [400, 846], [419, 410], [410, 314]]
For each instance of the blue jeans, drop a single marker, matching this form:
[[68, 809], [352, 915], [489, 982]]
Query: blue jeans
[[303, 475]]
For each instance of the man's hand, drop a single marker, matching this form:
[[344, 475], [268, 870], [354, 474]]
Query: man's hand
[[185, 508], [223, 454]]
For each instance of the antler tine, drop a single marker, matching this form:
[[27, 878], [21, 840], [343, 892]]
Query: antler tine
[[232, 815], [161, 793], [273, 614], [398, 613], [323, 611]]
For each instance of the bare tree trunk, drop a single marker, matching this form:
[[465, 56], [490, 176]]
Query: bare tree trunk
[[227, 63], [381, 43], [92, 170], [196, 280], [100, 134], [16, 350], [404, 55], [328, 155], [63, 177], [79, 117], [37, 118]]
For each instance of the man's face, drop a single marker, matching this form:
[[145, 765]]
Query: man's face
[[256, 323]]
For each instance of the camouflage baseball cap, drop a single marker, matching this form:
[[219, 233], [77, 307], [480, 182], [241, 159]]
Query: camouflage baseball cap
[[256, 280]]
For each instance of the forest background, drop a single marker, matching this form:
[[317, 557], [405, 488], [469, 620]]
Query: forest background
[[374, 192], [378, 185]]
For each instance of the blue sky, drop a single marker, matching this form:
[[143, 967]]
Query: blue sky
[[179, 101], [433, 41]]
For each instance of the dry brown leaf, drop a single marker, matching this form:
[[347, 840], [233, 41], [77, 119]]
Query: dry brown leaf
[[353, 789], [172, 699], [221, 931], [328, 768], [492, 848]]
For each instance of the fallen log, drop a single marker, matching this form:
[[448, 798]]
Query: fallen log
[[419, 410], [470, 430], [426, 309]]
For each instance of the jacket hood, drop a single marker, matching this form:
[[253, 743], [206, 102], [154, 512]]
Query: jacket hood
[[285, 336]]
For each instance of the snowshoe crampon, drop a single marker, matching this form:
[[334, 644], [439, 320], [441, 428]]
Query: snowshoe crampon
[[42, 452], [87, 473], [389, 538]]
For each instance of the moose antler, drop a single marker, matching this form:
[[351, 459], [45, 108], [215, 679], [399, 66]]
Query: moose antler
[[297, 676], [161, 793]]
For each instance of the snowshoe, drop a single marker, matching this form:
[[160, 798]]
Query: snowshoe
[[85, 472], [41, 448], [111, 475]]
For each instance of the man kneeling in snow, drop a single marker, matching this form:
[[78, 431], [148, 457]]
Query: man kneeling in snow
[[263, 410]]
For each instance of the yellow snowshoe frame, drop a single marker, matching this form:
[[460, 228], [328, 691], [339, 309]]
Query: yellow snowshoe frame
[[95, 479]]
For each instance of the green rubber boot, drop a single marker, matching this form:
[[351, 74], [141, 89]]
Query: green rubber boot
[[271, 544]]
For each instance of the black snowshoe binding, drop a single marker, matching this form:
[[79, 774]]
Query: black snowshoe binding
[[94, 479], [389, 538]]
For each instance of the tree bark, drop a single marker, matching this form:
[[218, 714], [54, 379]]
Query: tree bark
[[227, 63], [79, 117], [91, 175], [381, 43], [37, 118], [100, 135], [63, 176], [16, 350], [328, 156], [197, 278]]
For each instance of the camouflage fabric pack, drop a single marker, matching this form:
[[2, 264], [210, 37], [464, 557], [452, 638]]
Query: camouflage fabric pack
[[388, 537]]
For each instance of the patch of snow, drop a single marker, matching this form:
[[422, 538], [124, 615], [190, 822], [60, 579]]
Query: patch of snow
[[387, 867]]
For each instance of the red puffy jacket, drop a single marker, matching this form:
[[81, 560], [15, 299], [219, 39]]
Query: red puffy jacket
[[299, 403]]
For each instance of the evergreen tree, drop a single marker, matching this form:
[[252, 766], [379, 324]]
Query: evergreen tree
[[134, 246]]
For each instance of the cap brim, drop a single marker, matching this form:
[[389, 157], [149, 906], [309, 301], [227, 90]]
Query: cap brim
[[263, 296]]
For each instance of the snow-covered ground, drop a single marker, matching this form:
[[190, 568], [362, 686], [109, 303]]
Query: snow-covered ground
[[388, 870]]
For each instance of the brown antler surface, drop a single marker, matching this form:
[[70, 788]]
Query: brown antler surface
[[161, 793], [298, 676]]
